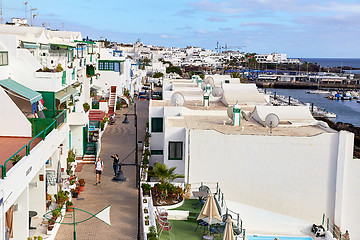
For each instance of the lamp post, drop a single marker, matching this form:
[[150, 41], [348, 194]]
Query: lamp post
[[136, 164]]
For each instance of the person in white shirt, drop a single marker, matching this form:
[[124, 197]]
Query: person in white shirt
[[98, 169]]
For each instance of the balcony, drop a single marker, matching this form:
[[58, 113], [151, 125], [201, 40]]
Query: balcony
[[53, 81], [53, 119], [41, 129]]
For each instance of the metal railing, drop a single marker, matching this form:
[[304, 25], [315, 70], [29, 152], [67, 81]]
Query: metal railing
[[332, 228], [219, 195], [59, 119]]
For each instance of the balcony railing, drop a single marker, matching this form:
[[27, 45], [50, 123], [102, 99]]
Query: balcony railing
[[59, 118], [40, 124]]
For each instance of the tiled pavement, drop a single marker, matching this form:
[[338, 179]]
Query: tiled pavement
[[118, 138]]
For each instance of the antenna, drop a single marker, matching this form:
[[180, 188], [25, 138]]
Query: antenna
[[26, 3], [1, 13], [272, 121], [31, 15], [177, 99]]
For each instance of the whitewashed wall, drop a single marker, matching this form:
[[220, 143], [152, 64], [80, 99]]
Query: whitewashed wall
[[290, 175], [12, 121], [348, 208]]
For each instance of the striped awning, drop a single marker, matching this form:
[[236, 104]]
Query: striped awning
[[21, 90], [65, 94]]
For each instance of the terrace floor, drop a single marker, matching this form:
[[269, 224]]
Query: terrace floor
[[185, 229], [10, 145]]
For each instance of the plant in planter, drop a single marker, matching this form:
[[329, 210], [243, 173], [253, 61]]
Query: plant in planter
[[146, 189], [75, 192], [147, 221], [72, 181], [152, 233], [86, 107], [69, 206], [147, 135], [146, 210], [15, 159], [147, 143], [81, 184], [144, 200]]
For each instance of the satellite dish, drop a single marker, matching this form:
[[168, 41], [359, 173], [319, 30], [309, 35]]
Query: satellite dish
[[211, 81], [230, 112], [203, 86], [177, 99], [217, 92], [272, 121], [244, 115]]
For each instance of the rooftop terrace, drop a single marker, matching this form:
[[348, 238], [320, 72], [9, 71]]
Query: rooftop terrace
[[222, 124]]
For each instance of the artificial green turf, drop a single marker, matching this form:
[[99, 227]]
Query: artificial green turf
[[184, 230]]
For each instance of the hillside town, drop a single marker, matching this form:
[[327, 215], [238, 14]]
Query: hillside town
[[211, 137]]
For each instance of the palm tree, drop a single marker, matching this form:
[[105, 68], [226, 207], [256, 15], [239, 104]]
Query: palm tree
[[165, 174]]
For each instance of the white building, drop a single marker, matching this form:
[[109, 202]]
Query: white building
[[303, 169]]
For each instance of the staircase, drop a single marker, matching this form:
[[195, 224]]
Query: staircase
[[88, 159], [112, 100]]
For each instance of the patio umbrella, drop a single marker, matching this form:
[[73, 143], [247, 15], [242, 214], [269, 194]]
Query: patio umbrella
[[209, 213], [229, 232]]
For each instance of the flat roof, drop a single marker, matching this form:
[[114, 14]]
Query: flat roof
[[10, 145], [222, 124], [198, 105]]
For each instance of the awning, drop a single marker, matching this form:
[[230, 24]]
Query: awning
[[21, 90], [64, 94]]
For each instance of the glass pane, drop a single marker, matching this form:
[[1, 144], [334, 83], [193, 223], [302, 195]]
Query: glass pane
[[178, 150], [171, 150]]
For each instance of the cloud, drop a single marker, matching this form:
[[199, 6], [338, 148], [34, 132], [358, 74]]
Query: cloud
[[219, 7], [165, 36], [216, 19]]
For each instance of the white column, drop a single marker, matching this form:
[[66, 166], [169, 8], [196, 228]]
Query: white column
[[345, 154], [21, 216]]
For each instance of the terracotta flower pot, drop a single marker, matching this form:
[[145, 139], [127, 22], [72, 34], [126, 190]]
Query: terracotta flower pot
[[82, 188], [69, 209]]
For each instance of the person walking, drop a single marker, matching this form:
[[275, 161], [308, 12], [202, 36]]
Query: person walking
[[98, 169], [115, 163]]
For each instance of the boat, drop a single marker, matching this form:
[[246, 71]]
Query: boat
[[346, 96], [317, 92]]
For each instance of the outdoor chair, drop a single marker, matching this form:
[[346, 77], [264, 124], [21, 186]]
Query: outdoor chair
[[164, 225], [162, 214]]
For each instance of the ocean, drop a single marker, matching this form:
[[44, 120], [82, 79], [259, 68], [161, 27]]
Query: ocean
[[346, 111], [334, 62]]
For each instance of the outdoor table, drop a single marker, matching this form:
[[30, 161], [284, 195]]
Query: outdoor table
[[200, 195], [31, 214]]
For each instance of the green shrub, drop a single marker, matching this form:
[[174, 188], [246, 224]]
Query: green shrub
[[86, 107]]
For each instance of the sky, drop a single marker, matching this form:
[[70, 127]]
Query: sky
[[299, 28]]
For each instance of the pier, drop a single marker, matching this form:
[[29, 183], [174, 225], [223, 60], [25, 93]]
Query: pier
[[306, 85]]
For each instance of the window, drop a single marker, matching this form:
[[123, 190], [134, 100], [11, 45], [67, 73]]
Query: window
[[101, 65], [175, 150], [111, 66], [156, 124], [4, 59], [106, 66], [157, 152]]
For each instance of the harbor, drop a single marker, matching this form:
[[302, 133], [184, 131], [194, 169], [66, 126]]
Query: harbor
[[346, 111]]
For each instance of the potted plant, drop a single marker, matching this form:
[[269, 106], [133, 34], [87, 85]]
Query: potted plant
[[147, 222], [146, 189], [75, 192], [152, 233], [82, 184], [86, 107], [15, 159], [69, 206], [144, 200], [146, 210]]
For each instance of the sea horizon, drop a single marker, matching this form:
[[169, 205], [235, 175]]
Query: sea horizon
[[334, 62]]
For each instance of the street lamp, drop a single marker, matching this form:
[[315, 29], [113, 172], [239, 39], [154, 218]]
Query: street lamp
[[120, 176]]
